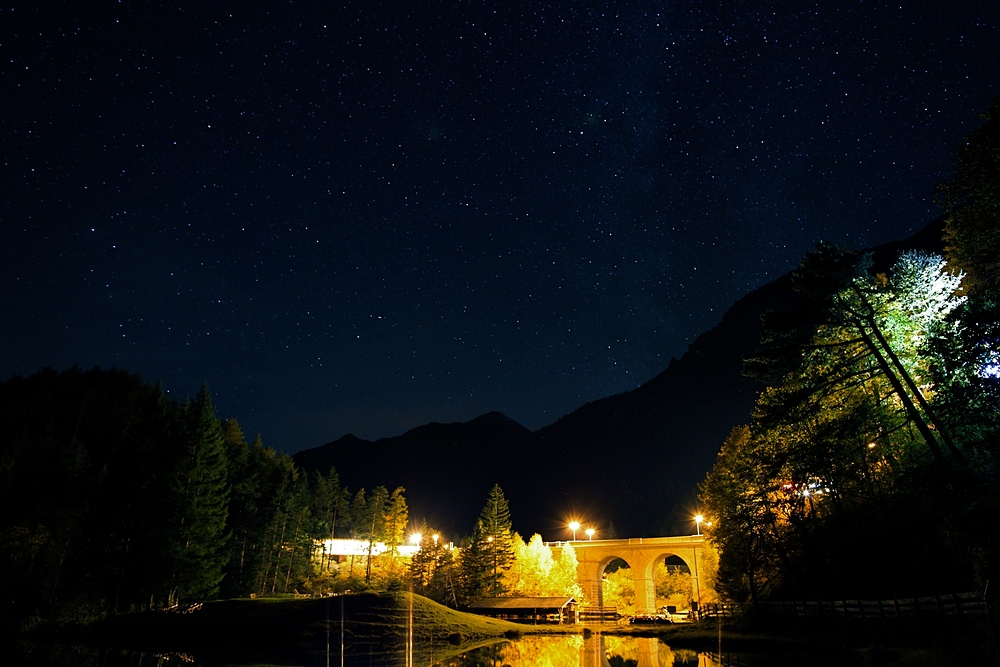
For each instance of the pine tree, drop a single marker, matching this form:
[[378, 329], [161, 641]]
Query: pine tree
[[394, 530], [203, 488], [490, 552], [424, 563]]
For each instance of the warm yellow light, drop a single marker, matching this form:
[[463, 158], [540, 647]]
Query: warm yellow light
[[489, 539], [435, 537], [415, 538], [698, 518], [590, 532], [574, 526]]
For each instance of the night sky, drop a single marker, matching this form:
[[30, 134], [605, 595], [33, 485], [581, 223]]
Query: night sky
[[361, 217]]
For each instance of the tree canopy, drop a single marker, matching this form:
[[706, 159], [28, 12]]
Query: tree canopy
[[877, 432], [121, 499]]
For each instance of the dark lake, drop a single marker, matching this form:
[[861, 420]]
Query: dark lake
[[595, 650]]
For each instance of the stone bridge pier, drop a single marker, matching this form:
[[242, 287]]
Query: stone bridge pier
[[642, 554], [595, 654]]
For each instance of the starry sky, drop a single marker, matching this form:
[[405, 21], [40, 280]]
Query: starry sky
[[364, 216]]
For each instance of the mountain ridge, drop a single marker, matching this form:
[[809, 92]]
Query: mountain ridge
[[631, 460]]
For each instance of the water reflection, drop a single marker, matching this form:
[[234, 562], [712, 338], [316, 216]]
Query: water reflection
[[595, 650], [608, 651]]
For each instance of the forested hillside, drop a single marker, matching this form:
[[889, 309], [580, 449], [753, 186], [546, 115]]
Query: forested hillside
[[119, 498]]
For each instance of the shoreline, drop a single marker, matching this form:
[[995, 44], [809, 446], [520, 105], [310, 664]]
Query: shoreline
[[280, 629]]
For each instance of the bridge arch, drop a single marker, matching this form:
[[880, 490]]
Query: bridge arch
[[642, 554]]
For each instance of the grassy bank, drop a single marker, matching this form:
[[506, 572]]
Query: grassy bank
[[286, 630]]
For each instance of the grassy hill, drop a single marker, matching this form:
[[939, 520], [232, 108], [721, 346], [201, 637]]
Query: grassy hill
[[284, 630]]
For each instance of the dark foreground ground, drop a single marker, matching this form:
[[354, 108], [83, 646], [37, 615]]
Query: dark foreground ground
[[913, 642], [299, 631]]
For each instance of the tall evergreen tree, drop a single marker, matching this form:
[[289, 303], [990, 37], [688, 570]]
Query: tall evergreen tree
[[202, 485], [373, 525], [490, 552]]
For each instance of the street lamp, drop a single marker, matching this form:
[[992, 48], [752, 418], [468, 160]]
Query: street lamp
[[574, 526], [697, 522], [590, 533]]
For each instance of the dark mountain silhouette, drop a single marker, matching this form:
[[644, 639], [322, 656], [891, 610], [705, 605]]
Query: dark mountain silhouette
[[446, 469], [633, 460]]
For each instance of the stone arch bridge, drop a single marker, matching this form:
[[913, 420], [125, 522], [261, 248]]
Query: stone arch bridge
[[642, 554]]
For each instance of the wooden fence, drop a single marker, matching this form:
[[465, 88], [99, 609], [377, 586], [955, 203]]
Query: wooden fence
[[953, 604], [598, 614]]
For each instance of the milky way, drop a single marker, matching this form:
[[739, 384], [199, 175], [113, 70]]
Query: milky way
[[363, 217]]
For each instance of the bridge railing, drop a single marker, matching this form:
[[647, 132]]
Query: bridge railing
[[951, 604]]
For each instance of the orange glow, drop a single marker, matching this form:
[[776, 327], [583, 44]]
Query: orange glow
[[574, 526]]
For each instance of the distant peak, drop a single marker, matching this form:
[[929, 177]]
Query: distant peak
[[349, 438], [493, 417]]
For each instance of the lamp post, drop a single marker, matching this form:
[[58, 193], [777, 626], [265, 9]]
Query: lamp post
[[590, 534], [697, 522], [574, 526]]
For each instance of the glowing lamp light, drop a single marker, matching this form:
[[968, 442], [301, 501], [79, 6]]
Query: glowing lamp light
[[697, 522], [574, 526], [590, 533], [415, 538]]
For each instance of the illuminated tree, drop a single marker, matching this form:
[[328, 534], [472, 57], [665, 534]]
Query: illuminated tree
[[841, 334], [536, 572], [845, 421], [674, 586], [393, 534], [372, 523], [425, 562], [619, 589]]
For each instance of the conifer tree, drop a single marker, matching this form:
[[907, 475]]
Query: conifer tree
[[424, 563], [369, 514], [203, 488], [490, 552]]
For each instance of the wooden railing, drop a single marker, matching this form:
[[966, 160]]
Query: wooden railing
[[592, 614], [952, 604]]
